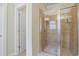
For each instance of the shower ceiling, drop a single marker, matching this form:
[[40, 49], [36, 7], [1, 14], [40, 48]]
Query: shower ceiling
[[49, 4]]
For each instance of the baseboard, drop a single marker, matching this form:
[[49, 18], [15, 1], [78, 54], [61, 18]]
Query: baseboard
[[13, 54]]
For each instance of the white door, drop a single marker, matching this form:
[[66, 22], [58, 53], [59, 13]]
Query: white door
[[2, 15], [0, 31], [22, 29]]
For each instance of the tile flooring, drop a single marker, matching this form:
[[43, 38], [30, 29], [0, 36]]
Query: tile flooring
[[65, 52], [49, 51], [52, 52]]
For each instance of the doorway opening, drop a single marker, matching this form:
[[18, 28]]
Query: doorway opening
[[22, 30], [48, 35]]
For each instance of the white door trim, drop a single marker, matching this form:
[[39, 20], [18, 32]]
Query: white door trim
[[17, 6], [28, 28]]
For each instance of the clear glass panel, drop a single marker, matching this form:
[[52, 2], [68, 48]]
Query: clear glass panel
[[58, 33], [52, 35], [68, 31], [48, 31]]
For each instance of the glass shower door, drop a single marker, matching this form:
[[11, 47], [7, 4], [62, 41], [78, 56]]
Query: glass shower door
[[68, 20]]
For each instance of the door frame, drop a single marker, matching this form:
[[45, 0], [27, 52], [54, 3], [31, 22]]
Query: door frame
[[19, 27], [28, 27], [78, 25], [16, 24]]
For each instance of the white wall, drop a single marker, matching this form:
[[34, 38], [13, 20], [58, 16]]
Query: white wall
[[10, 29], [1, 11]]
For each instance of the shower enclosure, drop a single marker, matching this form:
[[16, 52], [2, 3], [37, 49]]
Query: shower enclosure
[[48, 34], [69, 37], [59, 31]]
